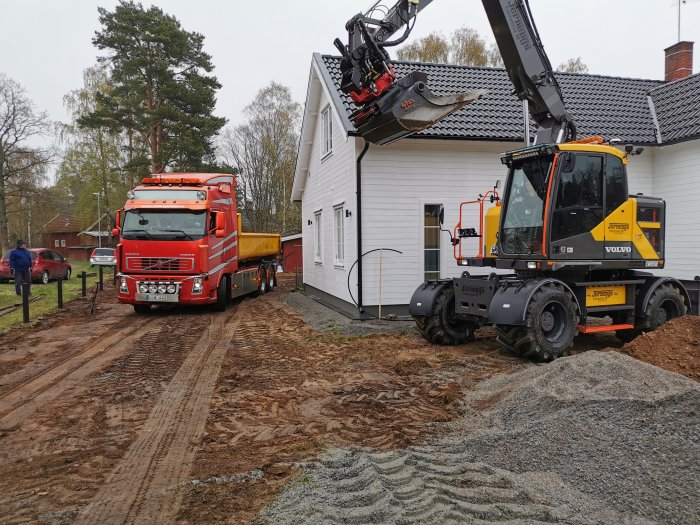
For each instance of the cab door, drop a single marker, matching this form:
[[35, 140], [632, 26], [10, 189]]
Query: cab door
[[578, 208], [618, 211]]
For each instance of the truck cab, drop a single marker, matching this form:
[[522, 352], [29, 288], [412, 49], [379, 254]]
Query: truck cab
[[180, 241]]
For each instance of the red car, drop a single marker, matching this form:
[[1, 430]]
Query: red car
[[46, 265]]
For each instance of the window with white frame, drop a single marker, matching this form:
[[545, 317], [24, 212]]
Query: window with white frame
[[318, 236], [326, 131], [338, 236], [63, 243], [56, 243], [431, 242]]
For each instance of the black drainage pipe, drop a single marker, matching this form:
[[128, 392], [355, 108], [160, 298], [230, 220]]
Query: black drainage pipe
[[358, 205]]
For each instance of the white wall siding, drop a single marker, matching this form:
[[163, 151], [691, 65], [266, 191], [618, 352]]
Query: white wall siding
[[397, 181], [677, 181], [330, 181], [640, 172]]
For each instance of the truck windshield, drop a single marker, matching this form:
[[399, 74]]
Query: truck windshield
[[164, 225], [524, 209]]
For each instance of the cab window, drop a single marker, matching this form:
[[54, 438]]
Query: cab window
[[615, 184], [579, 204]]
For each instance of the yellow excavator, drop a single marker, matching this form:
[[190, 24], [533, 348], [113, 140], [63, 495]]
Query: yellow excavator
[[574, 242]]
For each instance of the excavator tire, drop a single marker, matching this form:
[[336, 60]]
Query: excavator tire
[[550, 326], [443, 327], [665, 303]]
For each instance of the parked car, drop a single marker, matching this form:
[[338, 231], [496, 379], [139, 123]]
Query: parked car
[[103, 257], [46, 265]]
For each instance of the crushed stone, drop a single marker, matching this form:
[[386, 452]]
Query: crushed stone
[[595, 438]]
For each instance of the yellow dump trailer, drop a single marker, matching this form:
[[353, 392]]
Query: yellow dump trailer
[[256, 245]]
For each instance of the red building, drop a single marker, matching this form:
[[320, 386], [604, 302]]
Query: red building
[[63, 234], [292, 253]]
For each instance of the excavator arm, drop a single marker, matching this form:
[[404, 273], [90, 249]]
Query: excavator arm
[[391, 108]]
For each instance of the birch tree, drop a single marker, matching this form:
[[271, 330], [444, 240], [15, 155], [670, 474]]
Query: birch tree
[[19, 124]]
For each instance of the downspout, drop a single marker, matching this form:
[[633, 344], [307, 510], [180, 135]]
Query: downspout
[[358, 205]]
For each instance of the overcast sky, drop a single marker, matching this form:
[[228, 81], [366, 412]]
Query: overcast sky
[[46, 44]]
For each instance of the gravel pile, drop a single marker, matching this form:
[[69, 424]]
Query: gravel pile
[[595, 438]]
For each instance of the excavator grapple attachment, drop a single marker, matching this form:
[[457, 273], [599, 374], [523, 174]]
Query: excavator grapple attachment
[[407, 107]]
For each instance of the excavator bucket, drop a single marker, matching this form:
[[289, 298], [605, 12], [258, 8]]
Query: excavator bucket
[[409, 106]]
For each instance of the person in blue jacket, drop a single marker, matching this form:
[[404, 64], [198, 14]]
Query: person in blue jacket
[[21, 265]]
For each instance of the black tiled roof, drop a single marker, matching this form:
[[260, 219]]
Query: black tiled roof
[[677, 106], [609, 106]]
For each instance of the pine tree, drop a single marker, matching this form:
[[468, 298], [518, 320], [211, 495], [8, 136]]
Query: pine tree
[[163, 94]]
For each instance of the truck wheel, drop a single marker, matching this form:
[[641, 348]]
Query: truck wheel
[[272, 279], [264, 286], [444, 327], [142, 308], [549, 329], [221, 295]]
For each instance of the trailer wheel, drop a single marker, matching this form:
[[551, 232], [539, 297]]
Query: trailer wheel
[[444, 327], [142, 308], [221, 295], [549, 329], [272, 279], [264, 286]]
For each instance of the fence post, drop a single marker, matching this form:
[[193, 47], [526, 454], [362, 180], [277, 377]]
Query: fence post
[[83, 276], [59, 285], [101, 278], [25, 301]]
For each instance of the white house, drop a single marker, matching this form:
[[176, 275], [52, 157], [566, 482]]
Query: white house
[[359, 198]]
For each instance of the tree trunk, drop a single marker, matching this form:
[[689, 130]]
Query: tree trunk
[[4, 227]]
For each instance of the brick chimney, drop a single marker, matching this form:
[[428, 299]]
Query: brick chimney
[[679, 61]]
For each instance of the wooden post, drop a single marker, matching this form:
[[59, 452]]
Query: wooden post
[[101, 272], [83, 277], [25, 300], [59, 285], [380, 283]]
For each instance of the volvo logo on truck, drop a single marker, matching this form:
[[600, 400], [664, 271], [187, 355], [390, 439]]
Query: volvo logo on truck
[[618, 249]]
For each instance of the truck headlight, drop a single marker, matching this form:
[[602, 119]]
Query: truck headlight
[[152, 288], [161, 288], [197, 285], [171, 288], [123, 288], [143, 288], [531, 265]]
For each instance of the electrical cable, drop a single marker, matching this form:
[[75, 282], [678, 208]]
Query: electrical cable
[[350, 291]]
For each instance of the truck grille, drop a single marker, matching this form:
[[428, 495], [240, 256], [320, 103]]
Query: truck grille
[[160, 264]]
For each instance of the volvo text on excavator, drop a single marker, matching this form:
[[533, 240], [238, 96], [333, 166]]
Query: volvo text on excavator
[[570, 244]]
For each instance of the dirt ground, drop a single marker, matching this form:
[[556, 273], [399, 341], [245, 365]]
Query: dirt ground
[[674, 346], [190, 416]]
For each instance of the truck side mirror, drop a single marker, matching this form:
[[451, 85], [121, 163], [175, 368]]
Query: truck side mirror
[[498, 184], [441, 216], [115, 232], [220, 225]]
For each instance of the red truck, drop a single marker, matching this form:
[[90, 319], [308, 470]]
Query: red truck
[[180, 242]]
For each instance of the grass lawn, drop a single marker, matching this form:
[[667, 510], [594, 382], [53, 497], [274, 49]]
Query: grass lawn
[[48, 294]]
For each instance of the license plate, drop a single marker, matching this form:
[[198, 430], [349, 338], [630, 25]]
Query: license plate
[[157, 297]]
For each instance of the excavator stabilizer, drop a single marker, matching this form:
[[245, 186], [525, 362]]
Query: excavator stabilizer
[[409, 106]]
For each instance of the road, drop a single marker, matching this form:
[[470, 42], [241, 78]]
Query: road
[[199, 417]]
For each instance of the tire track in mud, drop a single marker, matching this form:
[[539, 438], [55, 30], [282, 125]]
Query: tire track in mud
[[142, 488], [419, 485], [25, 398]]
